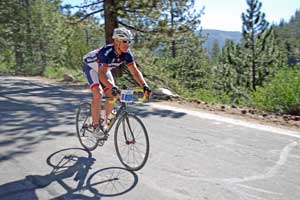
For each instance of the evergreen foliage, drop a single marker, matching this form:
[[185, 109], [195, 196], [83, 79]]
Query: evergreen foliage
[[281, 93], [260, 50], [177, 24], [215, 52], [246, 65], [287, 35], [37, 36], [231, 75]]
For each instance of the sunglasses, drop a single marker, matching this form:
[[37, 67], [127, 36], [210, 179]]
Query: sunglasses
[[126, 41]]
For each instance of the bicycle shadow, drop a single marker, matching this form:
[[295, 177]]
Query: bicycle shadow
[[70, 170]]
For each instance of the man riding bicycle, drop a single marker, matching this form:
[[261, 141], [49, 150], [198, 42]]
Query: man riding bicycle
[[97, 66]]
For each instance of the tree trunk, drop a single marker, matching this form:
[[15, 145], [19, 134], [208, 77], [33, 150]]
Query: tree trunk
[[110, 20], [173, 46], [28, 36], [43, 57], [19, 58], [173, 49], [253, 65]]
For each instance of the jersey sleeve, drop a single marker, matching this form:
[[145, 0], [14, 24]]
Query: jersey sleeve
[[128, 57], [102, 58]]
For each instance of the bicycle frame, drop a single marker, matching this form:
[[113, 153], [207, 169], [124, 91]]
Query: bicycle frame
[[120, 112]]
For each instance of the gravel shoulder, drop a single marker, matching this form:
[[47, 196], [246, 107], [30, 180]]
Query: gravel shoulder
[[247, 114]]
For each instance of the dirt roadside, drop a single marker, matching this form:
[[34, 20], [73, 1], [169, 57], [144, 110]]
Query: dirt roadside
[[247, 114]]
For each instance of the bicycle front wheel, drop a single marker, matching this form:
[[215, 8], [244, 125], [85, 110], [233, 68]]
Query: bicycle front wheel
[[84, 127], [131, 142]]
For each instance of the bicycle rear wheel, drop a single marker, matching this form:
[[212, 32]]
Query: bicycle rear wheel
[[84, 127], [131, 142]]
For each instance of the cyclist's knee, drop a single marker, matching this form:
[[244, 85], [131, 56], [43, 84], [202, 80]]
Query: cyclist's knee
[[97, 97], [107, 92], [97, 94]]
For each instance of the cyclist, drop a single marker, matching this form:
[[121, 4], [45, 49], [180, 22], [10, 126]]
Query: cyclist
[[96, 67]]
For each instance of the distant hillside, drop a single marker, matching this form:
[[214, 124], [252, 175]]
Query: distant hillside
[[220, 36]]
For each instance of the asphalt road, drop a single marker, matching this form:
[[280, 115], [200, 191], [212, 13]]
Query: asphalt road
[[192, 156]]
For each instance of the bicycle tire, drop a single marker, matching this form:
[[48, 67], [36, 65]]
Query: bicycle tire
[[130, 123], [83, 118]]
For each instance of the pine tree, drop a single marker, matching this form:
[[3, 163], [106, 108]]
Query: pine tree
[[192, 68], [287, 34], [178, 22], [13, 31], [231, 72], [215, 51], [260, 49]]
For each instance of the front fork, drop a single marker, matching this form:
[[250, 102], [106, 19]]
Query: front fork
[[125, 122]]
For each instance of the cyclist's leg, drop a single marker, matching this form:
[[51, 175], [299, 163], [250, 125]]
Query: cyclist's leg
[[107, 90], [96, 89], [96, 105]]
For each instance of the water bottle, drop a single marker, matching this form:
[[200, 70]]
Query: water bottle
[[111, 116]]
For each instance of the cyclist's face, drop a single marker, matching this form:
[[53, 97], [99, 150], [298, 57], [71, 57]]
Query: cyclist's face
[[124, 45]]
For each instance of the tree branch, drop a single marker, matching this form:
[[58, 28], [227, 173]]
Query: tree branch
[[89, 14], [88, 5], [136, 29], [131, 27], [134, 11]]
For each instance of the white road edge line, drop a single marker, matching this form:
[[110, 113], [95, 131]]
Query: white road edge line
[[215, 117]]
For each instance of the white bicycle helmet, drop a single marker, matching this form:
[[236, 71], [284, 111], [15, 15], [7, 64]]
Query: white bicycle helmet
[[122, 34]]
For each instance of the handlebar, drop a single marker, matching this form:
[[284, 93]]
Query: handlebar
[[135, 90]]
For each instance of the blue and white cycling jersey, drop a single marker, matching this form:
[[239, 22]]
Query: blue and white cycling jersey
[[107, 55]]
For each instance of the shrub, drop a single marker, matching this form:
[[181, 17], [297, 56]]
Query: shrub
[[281, 94]]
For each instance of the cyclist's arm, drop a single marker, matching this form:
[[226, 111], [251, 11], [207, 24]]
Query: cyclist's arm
[[136, 73], [102, 75]]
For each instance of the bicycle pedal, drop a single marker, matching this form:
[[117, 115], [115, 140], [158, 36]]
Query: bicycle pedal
[[104, 138], [101, 143]]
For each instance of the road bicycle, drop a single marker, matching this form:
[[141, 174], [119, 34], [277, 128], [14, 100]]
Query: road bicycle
[[131, 139]]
